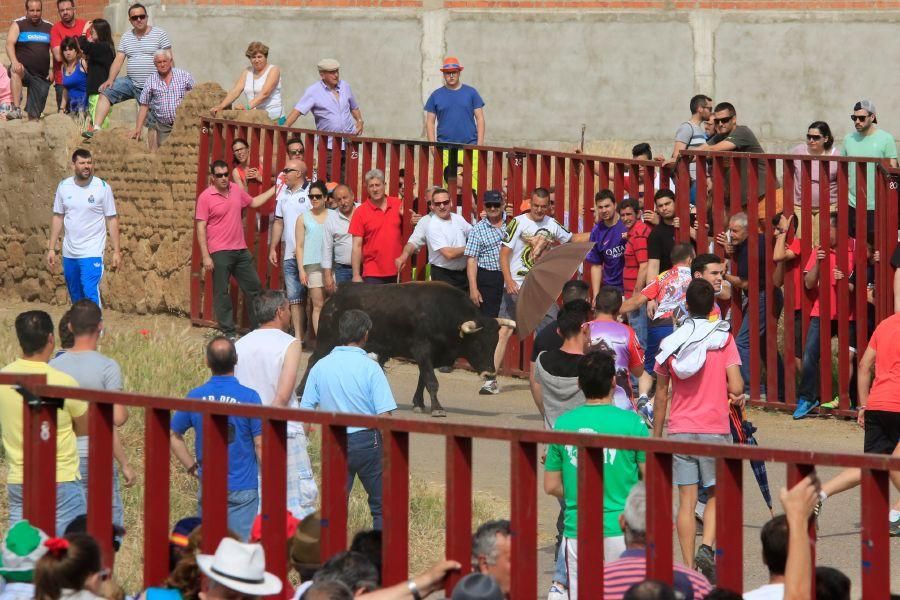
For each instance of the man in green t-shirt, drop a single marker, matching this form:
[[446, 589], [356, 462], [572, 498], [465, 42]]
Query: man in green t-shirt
[[868, 141], [622, 468]]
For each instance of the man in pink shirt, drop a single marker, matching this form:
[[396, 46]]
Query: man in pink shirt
[[220, 234], [702, 362]]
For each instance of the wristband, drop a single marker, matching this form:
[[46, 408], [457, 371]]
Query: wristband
[[413, 590]]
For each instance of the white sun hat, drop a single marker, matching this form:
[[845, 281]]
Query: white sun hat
[[240, 567]]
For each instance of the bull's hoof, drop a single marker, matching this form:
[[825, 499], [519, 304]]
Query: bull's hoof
[[418, 409], [438, 412]]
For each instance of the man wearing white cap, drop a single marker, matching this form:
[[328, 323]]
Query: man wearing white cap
[[332, 104], [237, 567]]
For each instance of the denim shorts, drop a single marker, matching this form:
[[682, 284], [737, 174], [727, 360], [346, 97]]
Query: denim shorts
[[296, 291], [121, 90], [693, 470]]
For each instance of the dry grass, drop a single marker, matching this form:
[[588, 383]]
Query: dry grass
[[163, 356]]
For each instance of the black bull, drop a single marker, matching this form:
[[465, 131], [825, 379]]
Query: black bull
[[431, 324]]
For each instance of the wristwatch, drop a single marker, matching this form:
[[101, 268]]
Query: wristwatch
[[413, 590]]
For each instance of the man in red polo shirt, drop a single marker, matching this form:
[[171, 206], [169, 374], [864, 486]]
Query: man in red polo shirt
[[220, 236], [375, 227]]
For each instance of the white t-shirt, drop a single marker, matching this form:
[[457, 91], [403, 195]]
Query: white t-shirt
[[289, 206], [522, 228], [447, 233], [84, 211], [260, 360], [770, 591], [418, 237]]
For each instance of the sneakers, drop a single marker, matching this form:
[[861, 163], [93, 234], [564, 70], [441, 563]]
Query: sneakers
[[87, 134], [14, 113], [895, 528], [489, 388], [833, 405], [557, 592], [645, 409], [804, 407], [705, 562]]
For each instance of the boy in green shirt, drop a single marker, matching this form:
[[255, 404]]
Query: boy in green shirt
[[622, 468]]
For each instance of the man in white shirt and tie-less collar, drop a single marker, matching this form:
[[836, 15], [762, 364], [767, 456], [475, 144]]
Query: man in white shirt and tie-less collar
[[337, 241], [290, 204], [446, 236]]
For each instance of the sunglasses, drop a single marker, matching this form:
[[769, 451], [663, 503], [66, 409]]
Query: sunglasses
[[220, 175], [316, 196], [492, 206], [813, 138], [723, 120], [859, 118], [292, 152], [240, 149], [444, 203], [137, 17], [286, 171]]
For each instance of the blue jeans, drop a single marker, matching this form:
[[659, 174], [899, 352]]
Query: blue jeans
[[364, 450], [83, 278], [243, 506], [637, 319], [809, 375], [655, 335], [70, 503], [342, 273], [743, 343], [561, 573], [118, 512]]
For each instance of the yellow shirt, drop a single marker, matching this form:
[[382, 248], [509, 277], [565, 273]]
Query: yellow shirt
[[12, 423]]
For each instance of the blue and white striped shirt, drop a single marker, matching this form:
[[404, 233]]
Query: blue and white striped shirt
[[484, 244]]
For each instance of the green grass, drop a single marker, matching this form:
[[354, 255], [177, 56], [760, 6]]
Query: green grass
[[165, 356]]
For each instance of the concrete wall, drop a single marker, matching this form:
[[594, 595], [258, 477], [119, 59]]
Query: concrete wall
[[626, 72]]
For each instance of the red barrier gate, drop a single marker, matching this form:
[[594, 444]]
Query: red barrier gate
[[39, 488], [576, 177]]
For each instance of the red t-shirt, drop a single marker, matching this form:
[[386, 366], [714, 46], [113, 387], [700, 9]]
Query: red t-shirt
[[635, 255], [380, 233], [885, 392], [827, 270], [799, 287], [700, 403], [224, 230], [57, 34]]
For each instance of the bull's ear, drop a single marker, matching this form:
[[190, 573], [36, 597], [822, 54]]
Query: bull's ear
[[468, 327]]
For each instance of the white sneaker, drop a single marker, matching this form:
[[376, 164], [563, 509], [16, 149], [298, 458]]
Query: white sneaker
[[558, 592], [489, 388]]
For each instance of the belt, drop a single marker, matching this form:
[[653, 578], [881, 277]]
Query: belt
[[341, 265]]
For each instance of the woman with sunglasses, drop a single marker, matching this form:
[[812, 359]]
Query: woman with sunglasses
[[260, 83], [243, 172], [819, 144], [308, 235]]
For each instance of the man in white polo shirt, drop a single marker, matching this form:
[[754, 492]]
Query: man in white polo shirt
[[84, 204], [446, 235], [292, 201]]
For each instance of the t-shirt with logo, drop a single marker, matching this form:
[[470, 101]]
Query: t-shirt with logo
[[619, 341], [290, 206], [519, 231], [609, 251], [84, 210], [620, 467], [33, 45], [669, 289], [243, 471]]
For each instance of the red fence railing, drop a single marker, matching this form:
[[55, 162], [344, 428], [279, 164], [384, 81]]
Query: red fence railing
[[730, 178], [39, 486]]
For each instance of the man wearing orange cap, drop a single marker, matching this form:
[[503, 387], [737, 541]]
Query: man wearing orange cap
[[454, 114]]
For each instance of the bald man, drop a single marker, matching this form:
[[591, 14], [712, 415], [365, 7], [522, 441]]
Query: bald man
[[338, 249]]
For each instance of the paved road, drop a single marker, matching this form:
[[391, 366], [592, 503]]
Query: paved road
[[840, 524]]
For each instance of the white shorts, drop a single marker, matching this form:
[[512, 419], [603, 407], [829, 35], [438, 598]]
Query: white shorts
[[613, 547], [314, 275]]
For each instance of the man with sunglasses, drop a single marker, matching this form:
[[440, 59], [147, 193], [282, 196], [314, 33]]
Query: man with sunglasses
[[446, 235], [483, 256], [138, 46], [291, 202], [220, 235], [868, 141]]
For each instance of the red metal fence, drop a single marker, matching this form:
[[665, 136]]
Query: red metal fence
[[40, 493], [575, 179]]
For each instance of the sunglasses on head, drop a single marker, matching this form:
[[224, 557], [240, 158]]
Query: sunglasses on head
[[859, 118], [137, 17], [723, 120]]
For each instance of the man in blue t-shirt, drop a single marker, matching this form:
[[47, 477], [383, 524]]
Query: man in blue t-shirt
[[457, 108], [244, 436], [607, 257]]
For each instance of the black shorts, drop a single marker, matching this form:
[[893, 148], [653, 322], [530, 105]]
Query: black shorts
[[882, 431]]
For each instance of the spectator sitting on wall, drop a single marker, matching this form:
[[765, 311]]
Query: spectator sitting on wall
[[28, 49], [97, 44], [260, 83], [623, 468], [138, 46], [631, 567], [71, 568], [73, 68], [6, 104], [67, 26], [160, 98], [691, 134]]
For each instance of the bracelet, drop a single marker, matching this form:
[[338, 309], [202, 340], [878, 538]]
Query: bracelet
[[413, 590], [193, 468]]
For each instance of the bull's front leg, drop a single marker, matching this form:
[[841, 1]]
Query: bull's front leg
[[431, 384]]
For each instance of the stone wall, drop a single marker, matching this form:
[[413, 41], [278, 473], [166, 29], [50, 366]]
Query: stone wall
[[154, 193]]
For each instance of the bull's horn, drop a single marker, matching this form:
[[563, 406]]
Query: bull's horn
[[506, 323], [469, 327]]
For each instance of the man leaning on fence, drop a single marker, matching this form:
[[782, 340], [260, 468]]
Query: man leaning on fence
[[34, 329], [349, 381], [220, 235]]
